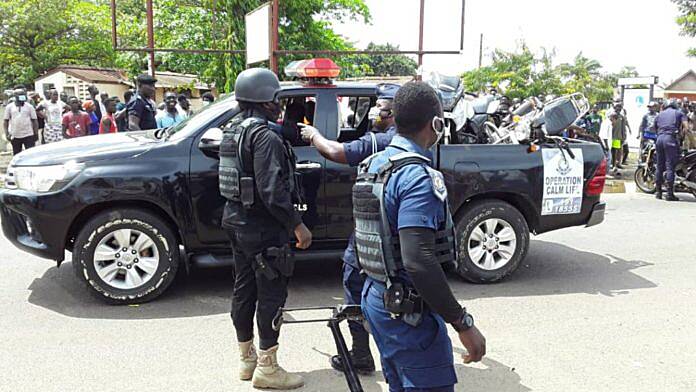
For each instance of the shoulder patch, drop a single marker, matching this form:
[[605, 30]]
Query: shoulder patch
[[438, 181]]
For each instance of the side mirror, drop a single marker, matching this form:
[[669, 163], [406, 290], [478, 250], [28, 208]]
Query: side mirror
[[210, 141]]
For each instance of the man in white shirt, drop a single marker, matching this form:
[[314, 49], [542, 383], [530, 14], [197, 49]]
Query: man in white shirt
[[53, 110], [20, 122]]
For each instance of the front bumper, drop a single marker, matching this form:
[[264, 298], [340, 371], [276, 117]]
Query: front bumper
[[597, 214], [35, 223]]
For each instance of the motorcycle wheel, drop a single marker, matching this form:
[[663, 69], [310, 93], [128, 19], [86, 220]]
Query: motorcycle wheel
[[645, 180]]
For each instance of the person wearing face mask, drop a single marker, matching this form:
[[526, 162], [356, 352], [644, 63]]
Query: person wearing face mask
[[406, 299], [352, 153], [257, 177], [20, 122]]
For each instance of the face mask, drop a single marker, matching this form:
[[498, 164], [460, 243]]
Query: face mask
[[22, 98], [373, 114]]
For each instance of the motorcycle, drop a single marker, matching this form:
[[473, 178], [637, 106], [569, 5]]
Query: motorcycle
[[685, 171], [534, 119]]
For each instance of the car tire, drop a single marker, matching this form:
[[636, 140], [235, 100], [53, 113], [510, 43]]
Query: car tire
[[142, 272], [502, 253]]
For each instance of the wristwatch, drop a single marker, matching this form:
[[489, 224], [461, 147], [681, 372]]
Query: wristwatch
[[464, 323]]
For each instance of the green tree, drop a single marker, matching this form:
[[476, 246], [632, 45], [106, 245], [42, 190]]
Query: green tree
[[36, 35], [522, 74], [220, 24], [687, 20], [384, 65]]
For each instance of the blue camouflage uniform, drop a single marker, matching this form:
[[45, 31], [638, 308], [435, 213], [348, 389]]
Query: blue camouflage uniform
[[667, 125], [413, 358]]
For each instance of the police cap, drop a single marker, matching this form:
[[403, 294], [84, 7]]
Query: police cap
[[387, 90], [256, 85], [145, 79]]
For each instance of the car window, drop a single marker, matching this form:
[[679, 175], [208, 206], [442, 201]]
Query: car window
[[296, 109], [353, 121], [204, 116]]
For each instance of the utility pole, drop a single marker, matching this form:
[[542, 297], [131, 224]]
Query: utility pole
[[150, 36], [274, 36], [480, 50], [420, 38], [461, 38]]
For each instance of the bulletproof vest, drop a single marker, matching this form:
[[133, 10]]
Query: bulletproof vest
[[378, 251], [236, 180]]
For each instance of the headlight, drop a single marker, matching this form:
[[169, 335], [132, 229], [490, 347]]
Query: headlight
[[45, 178]]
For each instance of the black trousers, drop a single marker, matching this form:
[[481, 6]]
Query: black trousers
[[254, 293], [27, 142]]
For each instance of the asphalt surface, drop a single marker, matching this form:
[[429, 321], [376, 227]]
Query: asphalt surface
[[608, 308]]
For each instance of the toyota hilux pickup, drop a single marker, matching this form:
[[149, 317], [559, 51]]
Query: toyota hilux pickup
[[136, 208]]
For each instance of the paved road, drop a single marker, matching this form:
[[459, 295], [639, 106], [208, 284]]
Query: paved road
[[610, 308]]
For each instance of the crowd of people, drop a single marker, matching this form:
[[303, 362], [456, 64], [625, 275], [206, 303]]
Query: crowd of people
[[30, 118], [611, 129]]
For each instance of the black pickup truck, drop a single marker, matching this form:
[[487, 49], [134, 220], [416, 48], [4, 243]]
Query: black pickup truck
[[136, 208]]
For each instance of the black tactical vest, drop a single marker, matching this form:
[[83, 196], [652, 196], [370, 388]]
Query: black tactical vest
[[237, 181], [379, 252]]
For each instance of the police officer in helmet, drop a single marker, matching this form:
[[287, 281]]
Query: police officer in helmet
[[404, 234], [668, 124], [352, 153], [257, 179]]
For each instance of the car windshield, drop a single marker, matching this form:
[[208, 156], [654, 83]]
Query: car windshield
[[200, 118]]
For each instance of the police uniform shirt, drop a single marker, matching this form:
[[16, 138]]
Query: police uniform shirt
[[669, 121], [145, 110], [370, 143]]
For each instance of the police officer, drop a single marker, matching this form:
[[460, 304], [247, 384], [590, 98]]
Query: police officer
[[352, 153], [142, 108], [404, 233], [667, 125], [257, 178]]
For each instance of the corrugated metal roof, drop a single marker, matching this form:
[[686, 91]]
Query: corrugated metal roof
[[173, 80], [89, 74]]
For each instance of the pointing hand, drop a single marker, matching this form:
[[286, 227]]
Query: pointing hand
[[307, 132]]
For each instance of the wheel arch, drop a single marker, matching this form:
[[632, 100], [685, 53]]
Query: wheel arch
[[522, 204]]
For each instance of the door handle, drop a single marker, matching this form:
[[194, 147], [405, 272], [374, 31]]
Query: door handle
[[308, 165]]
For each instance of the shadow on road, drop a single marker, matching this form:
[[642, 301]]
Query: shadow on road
[[549, 269], [490, 375]]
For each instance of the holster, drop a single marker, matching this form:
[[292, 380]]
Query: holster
[[274, 261], [404, 302]]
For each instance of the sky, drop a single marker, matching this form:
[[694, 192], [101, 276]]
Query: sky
[[639, 33]]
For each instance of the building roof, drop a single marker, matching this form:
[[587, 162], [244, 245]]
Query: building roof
[[89, 74], [686, 82], [173, 80], [116, 76]]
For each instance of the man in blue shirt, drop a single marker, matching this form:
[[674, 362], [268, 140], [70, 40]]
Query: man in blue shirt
[[645, 130], [415, 350], [352, 153], [668, 124], [170, 115]]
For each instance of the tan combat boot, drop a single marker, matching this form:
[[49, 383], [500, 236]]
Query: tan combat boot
[[269, 375], [247, 360]]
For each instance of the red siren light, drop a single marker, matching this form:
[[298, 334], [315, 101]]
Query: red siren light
[[322, 68]]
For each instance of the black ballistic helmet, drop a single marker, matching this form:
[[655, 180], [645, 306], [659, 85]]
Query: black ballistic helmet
[[256, 85]]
